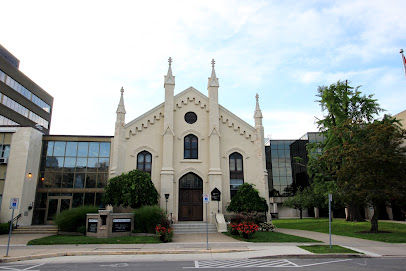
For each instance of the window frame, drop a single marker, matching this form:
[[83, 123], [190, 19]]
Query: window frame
[[235, 174], [142, 166], [193, 152]]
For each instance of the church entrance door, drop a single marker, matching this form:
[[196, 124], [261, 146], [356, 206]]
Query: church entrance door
[[190, 198]]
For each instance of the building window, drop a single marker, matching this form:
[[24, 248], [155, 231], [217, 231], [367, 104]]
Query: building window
[[236, 172], [144, 161], [190, 117], [4, 151], [190, 147]]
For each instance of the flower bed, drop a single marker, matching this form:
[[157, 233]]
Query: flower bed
[[165, 234]]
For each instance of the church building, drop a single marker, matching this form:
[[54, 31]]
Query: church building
[[191, 145]]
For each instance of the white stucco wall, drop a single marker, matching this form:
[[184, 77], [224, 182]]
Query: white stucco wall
[[25, 154]]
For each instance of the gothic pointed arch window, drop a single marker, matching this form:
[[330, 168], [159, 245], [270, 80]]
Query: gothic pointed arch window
[[144, 161], [190, 148], [236, 172]]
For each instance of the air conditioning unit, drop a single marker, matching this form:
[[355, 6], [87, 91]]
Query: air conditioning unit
[[3, 160]]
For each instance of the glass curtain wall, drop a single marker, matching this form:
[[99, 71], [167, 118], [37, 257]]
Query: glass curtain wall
[[72, 169]]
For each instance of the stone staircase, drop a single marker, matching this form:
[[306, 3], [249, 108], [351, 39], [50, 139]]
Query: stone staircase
[[36, 229], [193, 227]]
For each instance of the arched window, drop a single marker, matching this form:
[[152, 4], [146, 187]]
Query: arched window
[[190, 147], [236, 172], [144, 161]]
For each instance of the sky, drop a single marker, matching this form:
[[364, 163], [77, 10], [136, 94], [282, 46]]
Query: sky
[[83, 52]]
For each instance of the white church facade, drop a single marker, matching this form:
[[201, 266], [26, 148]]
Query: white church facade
[[191, 145]]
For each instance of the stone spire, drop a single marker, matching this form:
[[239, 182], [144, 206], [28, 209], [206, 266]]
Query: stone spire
[[169, 78], [213, 80], [258, 113], [121, 107]]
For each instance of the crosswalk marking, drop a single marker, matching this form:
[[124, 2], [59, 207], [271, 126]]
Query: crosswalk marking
[[21, 267], [244, 263]]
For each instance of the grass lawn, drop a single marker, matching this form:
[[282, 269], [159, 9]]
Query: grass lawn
[[273, 237], [79, 240], [353, 229], [323, 249]]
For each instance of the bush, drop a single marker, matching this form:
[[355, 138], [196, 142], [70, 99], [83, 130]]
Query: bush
[[4, 228], [147, 217], [71, 220], [247, 200]]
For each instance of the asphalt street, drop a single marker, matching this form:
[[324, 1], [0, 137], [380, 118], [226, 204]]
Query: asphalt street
[[327, 264]]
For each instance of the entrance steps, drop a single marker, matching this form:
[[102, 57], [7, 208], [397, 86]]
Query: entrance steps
[[193, 227], [36, 229]]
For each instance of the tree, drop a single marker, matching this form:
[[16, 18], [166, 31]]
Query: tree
[[370, 164], [343, 105], [134, 189], [247, 200], [303, 199]]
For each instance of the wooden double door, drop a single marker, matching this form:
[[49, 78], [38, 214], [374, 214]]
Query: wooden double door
[[190, 205], [190, 198]]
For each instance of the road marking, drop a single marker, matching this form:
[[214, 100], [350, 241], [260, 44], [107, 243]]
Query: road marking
[[21, 267], [115, 265], [244, 263], [345, 260], [254, 263]]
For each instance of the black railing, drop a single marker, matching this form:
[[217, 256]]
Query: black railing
[[15, 219]]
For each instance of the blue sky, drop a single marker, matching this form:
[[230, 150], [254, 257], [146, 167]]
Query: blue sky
[[83, 52]]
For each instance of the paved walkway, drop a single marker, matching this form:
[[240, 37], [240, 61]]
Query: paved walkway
[[186, 246]]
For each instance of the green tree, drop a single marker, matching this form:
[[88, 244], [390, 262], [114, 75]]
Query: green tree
[[370, 164], [247, 200], [134, 189], [342, 105], [303, 199]]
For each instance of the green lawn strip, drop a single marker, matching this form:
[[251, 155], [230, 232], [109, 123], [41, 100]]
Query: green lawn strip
[[79, 240], [397, 231], [273, 237], [324, 249]]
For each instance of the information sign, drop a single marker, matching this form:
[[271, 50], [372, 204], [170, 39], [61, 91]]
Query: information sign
[[121, 225], [14, 203], [206, 198], [215, 194], [92, 225]]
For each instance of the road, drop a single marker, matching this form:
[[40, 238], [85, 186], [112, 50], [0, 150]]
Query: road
[[99, 263]]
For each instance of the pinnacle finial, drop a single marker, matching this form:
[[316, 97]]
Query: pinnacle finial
[[213, 62], [257, 97], [122, 90], [170, 60]]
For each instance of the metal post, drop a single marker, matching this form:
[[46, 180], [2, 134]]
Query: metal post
[[329, 216], [9, 233], [207, 230]]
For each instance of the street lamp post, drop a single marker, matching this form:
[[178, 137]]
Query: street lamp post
[[166, 200]]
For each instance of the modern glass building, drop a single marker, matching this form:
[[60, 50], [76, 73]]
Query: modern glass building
[[73, 172], [22, 101], [286, 173]]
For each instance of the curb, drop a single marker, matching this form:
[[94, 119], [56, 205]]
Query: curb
[[90, 253]]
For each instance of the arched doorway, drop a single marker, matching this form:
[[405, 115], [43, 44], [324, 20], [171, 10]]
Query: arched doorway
[[190, 198]]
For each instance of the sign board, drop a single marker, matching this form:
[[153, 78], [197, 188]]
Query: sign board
[[14, 203], [206, 198], [121, 225], [92, 225], [330, 197], [215, 194]]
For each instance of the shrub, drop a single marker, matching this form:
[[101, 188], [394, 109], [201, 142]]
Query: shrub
[[232, 228], [267, 226], [164, 234], [71, 220], [247, 200], [133, 188], [147, 217], [4, 228]]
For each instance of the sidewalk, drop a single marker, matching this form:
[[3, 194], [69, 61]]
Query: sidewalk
[[186, 246]]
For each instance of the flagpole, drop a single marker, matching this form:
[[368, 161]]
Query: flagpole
[[403, 60]]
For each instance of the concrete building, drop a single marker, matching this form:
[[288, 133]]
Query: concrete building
[[22, 101]]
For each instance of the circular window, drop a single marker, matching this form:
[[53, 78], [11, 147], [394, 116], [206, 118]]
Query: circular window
[[190, 117]]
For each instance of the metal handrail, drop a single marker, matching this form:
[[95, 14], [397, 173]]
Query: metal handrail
[[15, 219]]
